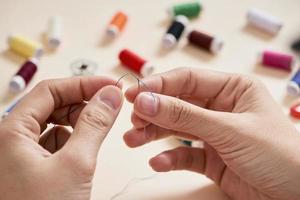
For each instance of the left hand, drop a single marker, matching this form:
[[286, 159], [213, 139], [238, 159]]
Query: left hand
[[58, 165]]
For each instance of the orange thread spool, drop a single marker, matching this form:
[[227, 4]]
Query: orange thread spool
[[117, 24]]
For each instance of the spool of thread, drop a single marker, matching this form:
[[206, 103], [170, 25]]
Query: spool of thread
[[205, 41], [54, 34], [9, 109], [276, 60], [190, 9], [296, 45], [198, 144], [293, 87], [117, 24], [264, 21], [295, 111], [135, 63], [186, 142], [21, 79], [25, 47], [175, 31]]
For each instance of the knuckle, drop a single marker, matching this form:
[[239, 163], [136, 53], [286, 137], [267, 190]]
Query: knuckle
[[179, 114], [246, 81], [26, 126], [43, 84], [151, 133], [240, 84], [188, 158], [46, 84], [96, 119], [29, 124], [88, 167], [51, 86], [10, 136], [83, 167]]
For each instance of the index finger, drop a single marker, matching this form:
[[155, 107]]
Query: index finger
[[183, 81], [36, 107]]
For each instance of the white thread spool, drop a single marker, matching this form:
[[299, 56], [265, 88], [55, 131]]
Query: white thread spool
[[264, 21], [54, 35]]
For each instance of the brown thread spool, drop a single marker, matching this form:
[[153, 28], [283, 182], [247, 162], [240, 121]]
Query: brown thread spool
[[205, 41]]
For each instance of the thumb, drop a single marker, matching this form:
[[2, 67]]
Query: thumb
[[93, 124], [177, 115]]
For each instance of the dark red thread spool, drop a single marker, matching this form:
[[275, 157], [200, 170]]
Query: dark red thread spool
[[205, 41], [21, 79], [135, 63]]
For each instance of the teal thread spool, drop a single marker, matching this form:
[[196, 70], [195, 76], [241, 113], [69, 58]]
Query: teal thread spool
[[190, 10]]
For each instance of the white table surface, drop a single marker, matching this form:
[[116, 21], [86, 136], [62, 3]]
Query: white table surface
[[84, 26]]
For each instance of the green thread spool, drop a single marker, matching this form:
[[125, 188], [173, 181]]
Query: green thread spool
[[190, 10]]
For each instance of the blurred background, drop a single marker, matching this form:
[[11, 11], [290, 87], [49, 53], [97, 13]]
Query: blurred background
[[84, 26]]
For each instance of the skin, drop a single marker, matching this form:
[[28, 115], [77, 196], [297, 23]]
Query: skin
[[56, 165], [251, 150], [250, 147]]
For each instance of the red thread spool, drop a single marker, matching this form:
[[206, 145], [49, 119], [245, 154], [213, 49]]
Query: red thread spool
[[21, 79], [205, 41], [295, 111], [276, 60], [135, 63]]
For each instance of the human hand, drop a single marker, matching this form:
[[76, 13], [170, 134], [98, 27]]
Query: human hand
[[251, 149], [57, 165]]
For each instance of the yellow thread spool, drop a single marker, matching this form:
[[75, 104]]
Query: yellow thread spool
[[25, 47]]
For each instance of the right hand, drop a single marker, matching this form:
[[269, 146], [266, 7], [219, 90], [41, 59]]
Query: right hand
[[251, 149]]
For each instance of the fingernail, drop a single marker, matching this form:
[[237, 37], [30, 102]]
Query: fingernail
[[110, 95], [147, 103]]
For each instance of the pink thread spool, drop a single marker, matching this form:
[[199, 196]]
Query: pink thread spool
[[21, 79], [276, 60]]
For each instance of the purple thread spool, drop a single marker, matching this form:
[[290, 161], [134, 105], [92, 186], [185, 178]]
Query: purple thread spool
[[21, 79]]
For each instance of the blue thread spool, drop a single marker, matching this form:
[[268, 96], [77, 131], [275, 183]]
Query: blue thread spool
[[9, 109], [293, 87]]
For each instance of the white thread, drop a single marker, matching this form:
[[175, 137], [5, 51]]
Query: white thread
[[130, 183]]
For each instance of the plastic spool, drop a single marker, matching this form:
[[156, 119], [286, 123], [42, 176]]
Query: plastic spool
[[54, 33], [21, 79], [205, 41], [190, 9], [174, 32], [135, 63], [276, 60], [296, 45], [295, 111], [10, 108], [293, 86], [117, 24], [24, 46], [264, 21]]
